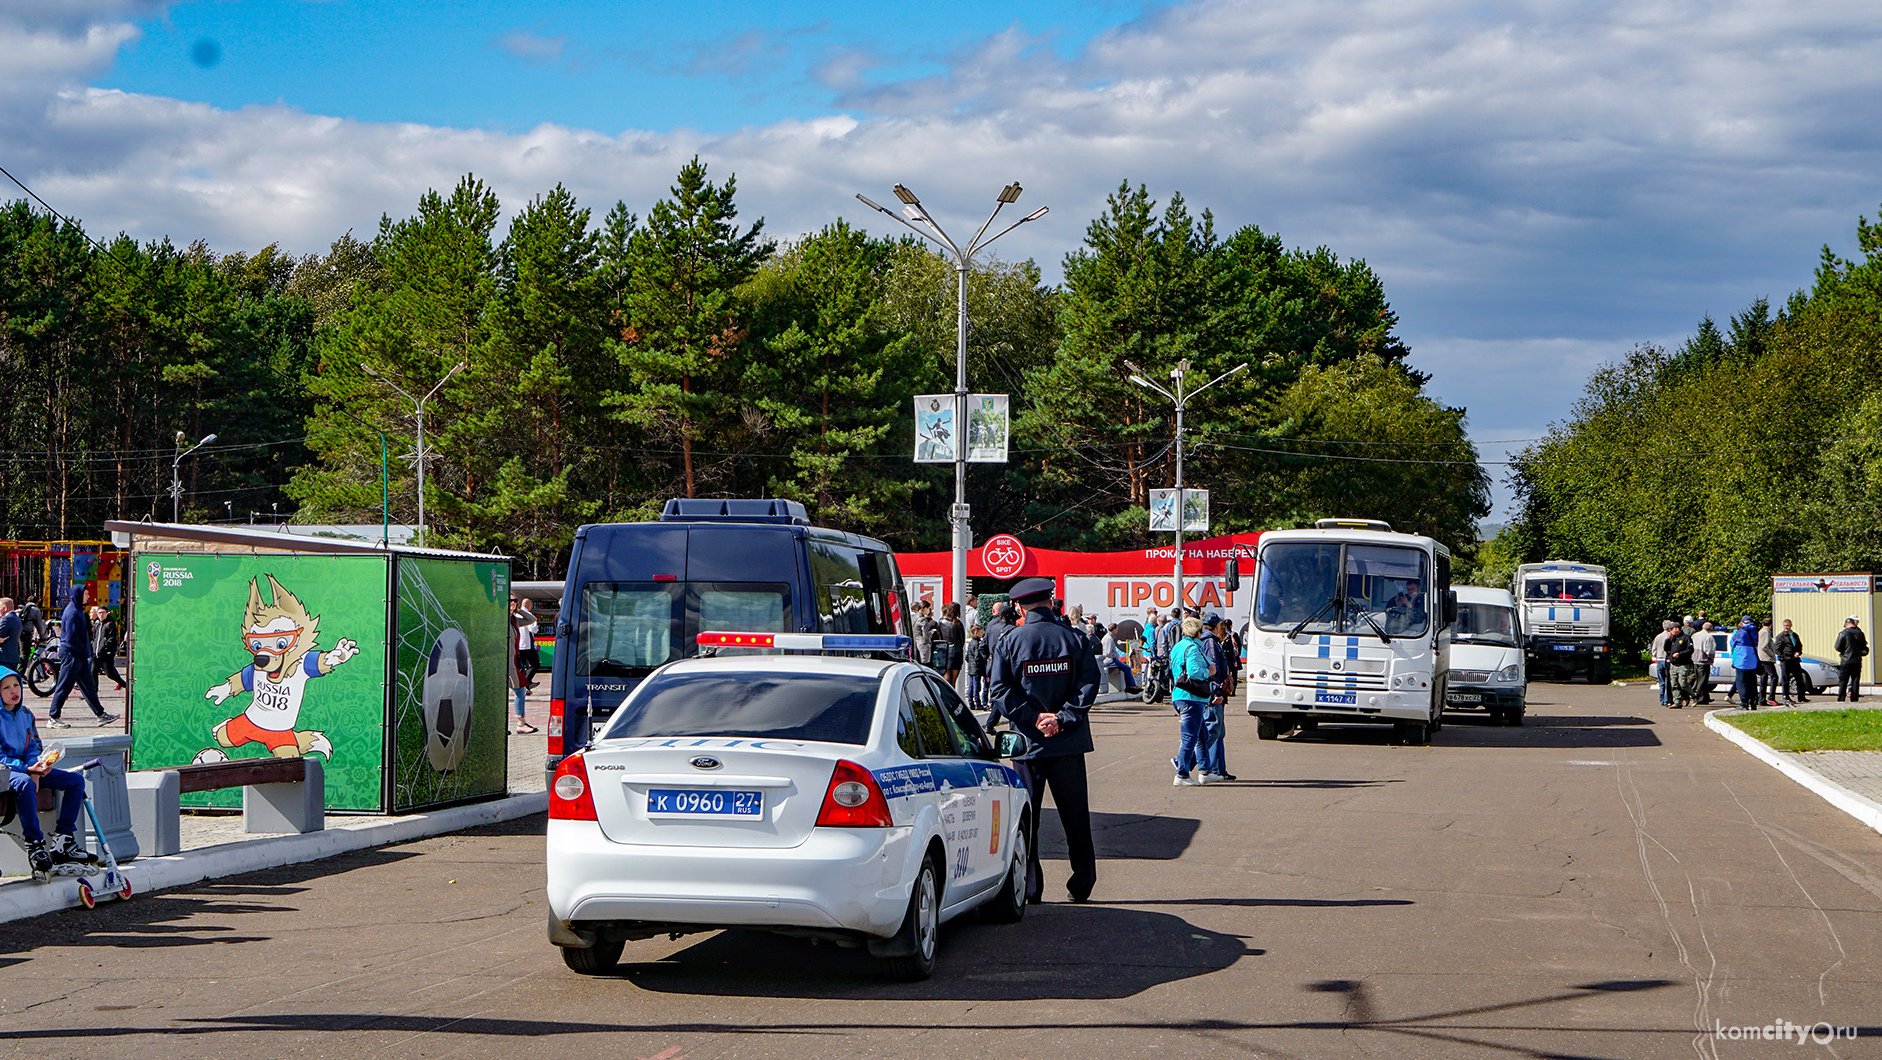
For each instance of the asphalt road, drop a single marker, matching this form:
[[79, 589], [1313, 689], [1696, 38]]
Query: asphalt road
[[1610, 881]]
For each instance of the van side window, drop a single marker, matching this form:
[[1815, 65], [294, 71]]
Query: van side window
[[836, 577]]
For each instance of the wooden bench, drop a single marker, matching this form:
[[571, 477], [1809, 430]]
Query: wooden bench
[[278, 795], [239, 773]]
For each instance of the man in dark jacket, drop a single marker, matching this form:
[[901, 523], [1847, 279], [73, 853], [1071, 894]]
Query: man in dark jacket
[[999, 625], [1044, 682], [1790, 649], [1851, 648], [75, 662]]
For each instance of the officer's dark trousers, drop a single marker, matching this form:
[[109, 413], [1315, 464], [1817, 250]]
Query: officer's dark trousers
[[73, 673], [1849, 681], [1064, 775]]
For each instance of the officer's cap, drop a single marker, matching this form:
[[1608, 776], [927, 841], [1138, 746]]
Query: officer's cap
[[1032, 590]]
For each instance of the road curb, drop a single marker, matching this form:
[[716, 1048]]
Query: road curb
[[1862, 808], [23, 898]]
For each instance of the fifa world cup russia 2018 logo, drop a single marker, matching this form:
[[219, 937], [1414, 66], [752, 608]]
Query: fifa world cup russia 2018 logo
[[153, 570]]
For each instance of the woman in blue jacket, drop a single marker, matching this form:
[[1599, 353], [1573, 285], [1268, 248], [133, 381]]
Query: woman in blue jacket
[[1745, 661], [1188, 662]]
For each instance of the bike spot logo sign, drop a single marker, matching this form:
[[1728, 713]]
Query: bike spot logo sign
[[1003, 556]]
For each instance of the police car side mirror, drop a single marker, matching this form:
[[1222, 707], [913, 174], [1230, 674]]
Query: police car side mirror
[[1010, 744], [1232, 575]]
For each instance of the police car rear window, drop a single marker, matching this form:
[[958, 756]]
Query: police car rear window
[[827, 708]]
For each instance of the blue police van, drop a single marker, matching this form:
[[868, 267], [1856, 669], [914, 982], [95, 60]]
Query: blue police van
[[638, 595]]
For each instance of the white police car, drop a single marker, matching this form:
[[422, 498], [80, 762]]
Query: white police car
[[1821, 673], [842, 798]]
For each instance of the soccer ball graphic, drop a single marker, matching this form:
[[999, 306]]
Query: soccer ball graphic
[[449, 687]]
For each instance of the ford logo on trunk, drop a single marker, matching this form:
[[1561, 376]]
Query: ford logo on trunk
[[705, 762]]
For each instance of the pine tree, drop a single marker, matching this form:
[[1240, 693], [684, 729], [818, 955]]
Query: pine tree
[[683, 336]]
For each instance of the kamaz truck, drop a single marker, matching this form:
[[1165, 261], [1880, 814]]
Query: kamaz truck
[[1565, 619]]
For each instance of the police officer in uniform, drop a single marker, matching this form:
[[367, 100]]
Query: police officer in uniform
[[1044, 680]]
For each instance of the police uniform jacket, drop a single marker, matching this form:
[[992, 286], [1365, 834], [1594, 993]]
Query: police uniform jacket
[[1044, 668]]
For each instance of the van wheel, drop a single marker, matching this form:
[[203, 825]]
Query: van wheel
[[1268, 728], [598, 959], [921, 927]]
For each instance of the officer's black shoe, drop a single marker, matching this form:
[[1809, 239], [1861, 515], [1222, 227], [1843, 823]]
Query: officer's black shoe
[[67, 849], [39, 859]]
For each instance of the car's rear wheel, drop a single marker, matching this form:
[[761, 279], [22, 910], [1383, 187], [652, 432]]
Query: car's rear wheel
[[921, 927], [598, 959], [1009, 906]]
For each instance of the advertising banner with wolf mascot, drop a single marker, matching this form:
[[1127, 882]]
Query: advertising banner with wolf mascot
[[245, 656]]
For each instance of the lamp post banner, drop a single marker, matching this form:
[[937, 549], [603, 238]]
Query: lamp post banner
[[1195, 510], [935, 436], [986, 428]]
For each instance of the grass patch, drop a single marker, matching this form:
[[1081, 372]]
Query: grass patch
[[1814, 730]]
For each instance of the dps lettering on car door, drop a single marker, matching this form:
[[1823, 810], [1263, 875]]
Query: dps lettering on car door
[[1044, 681]]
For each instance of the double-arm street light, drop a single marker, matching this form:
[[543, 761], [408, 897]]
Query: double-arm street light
[[418, 408], [1181, 398], [176, 477], [924, 225]]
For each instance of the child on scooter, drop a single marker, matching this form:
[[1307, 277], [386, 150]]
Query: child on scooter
[[21, 751]]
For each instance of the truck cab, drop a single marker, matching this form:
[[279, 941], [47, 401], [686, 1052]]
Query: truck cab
[[1564, 616], [638, 595]]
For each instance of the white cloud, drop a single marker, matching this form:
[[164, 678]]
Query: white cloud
[[1542, 178], [530, 47]]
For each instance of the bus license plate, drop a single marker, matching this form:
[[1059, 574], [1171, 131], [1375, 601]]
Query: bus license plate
[[1348, 698], [675, 802], [1463, 697]]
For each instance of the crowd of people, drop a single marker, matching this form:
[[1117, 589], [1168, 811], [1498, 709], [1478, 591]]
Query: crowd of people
[[1766, 664]]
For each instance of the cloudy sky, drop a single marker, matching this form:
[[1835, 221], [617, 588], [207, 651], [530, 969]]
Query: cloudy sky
[[1542, 184]]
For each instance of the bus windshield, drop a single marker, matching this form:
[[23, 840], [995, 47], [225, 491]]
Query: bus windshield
[[1326, 587]]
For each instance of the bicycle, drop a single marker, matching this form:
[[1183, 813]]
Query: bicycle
[[41, 668]]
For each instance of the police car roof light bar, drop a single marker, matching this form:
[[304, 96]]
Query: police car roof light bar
[[807, 641]]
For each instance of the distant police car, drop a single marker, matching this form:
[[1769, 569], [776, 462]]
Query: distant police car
[[844, 798], [1821, 673]]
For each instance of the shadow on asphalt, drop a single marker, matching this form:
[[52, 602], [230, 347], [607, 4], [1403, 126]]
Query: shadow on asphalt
[[1093, 952], [195, 915], [1127, 836], [1470, 730]]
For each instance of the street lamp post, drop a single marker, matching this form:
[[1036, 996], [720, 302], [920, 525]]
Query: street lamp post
[[963, 259], [1181, 399], [176, 477], [418, 408]]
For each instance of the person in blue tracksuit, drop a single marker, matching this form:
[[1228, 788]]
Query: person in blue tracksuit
[[1189, 662], [20, 752], [1744, 647]]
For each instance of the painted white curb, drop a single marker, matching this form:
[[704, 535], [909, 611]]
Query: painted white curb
[[24, 898], [1862, 808]]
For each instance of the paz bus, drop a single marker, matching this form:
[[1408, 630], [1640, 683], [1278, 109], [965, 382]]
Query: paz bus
[[1350, 623]]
